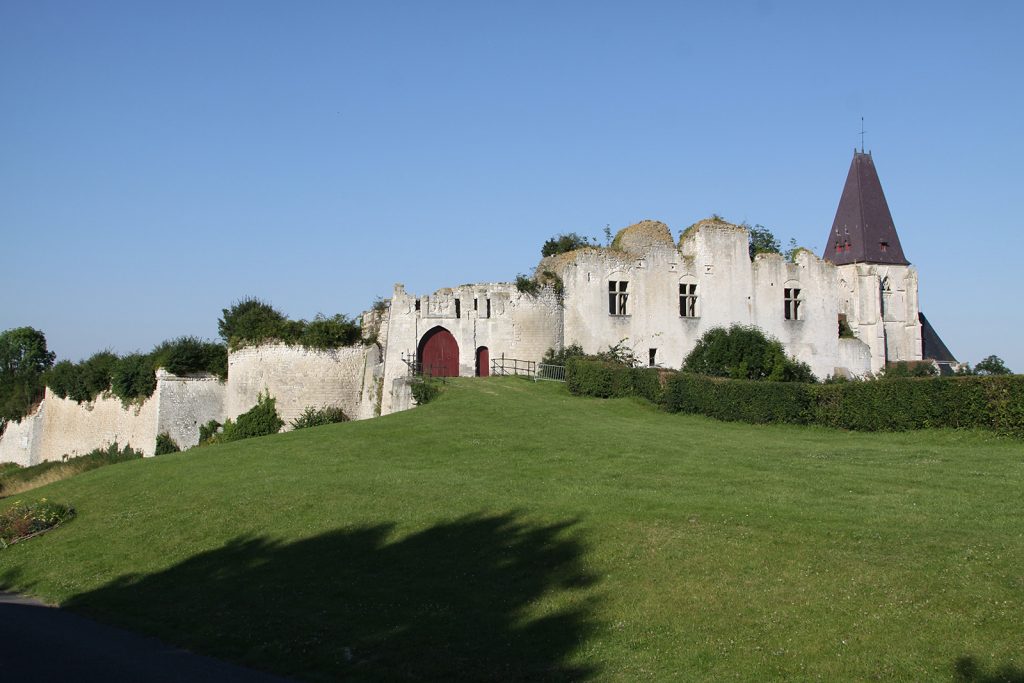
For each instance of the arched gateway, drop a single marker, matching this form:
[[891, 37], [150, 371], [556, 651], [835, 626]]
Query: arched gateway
[[438, 353]]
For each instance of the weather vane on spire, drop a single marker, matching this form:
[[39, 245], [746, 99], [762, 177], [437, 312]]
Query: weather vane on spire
[[862, 135]]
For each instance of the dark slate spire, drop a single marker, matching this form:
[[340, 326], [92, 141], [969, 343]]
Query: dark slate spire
[[863, 231]]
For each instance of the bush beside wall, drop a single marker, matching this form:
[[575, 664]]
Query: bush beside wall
[[995, 403], [612, 380]]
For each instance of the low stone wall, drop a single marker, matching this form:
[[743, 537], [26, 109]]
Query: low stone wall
[[19, 442], [70, 428], [61, 427], [298, 377]]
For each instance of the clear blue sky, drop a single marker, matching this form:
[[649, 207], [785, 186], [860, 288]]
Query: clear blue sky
[[160, 160]]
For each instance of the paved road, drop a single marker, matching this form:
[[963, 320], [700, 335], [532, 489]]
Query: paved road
[[40, 643]]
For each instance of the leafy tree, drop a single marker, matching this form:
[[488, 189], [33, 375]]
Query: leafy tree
[[23, 360], [252, 321], [762, 241], [741, 352], [992, 365], [563, 242]]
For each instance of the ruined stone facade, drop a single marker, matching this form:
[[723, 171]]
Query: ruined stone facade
[[646, 291]]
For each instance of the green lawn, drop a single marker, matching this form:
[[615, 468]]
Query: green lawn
[[510, 531]]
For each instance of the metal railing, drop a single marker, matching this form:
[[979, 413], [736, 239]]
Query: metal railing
[[554, 373], [511, 366]]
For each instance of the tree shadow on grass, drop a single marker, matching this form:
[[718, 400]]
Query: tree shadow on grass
[[967, 670], [455, 601]]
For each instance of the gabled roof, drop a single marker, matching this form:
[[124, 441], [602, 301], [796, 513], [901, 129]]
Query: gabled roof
[[863, 230]]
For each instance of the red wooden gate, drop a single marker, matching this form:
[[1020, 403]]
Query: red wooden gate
[[439, 354], [483, 362]]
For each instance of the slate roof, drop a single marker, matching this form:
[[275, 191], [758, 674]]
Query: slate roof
[[932, 347], [863, 230]]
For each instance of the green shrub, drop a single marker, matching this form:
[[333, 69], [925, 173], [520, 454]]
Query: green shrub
[[251, 321], [560, 357], [425, 390], [742, 352], [24, 520], [316, 417], [134, 377], [191, 355], [563, 242], [330, 333], [527, 285], [208, 431], [261, 420], [165, 444]]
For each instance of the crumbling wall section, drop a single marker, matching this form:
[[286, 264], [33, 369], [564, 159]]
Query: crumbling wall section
[[298, 377]]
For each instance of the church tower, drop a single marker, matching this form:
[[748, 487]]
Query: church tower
[[877, 284]]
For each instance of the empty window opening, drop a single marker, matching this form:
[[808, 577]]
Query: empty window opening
[[458, 308], [476, 307], [688, 300], [651, 356], [417, 304], [617, 297], [488, 308], [792, 303]]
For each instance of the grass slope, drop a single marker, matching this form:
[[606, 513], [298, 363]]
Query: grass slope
[[510, 531]]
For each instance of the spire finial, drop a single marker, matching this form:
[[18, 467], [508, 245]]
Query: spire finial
[[862, 135]]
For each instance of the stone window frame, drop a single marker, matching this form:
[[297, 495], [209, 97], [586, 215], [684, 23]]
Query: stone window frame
[[618, 296], [689, 297], [792, 301]]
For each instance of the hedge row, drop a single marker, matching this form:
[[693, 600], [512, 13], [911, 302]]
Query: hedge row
[[995, 402], [612, 380]]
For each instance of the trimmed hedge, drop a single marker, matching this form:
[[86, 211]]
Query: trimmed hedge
[[612, 380], [740, 400], [995, 403]]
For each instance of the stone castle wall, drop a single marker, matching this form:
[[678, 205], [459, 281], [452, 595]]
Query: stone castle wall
[[298, 377]]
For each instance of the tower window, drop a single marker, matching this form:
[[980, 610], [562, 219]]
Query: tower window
[[488, 308], [617, 297], [884, 246], [791, 297], [688, 300], [458, 308]]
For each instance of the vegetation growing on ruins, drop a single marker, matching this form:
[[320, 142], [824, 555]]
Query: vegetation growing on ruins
[[133, 376], [762, 240], [478, 535], [527, 285], [564, 242], [250, 322]]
